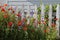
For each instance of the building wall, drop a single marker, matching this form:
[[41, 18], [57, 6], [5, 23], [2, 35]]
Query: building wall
[[19, 3], [35, 1]]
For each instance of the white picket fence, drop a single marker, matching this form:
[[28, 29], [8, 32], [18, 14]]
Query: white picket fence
[[42, 14]]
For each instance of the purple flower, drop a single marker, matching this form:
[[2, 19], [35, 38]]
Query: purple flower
[[31, 13]]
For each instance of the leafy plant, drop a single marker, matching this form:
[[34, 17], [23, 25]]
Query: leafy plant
[[13, 28]]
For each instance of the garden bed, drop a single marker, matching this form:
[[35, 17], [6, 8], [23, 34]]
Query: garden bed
[[12, 27]]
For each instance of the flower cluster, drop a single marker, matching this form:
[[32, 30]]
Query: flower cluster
[[12, 26]]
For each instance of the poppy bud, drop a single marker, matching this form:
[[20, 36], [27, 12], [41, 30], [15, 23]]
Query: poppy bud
[[19, 23], [45, 31], [10, 23]]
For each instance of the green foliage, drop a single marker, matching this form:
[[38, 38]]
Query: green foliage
[[11, 27], [54, 8]]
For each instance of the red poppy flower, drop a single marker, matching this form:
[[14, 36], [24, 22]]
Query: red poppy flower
[[19, 23], [3, 10], [10, 23], [5, 16], [5, 5]]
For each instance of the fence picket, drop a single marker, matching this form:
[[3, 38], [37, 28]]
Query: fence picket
[[22, 11], [42, 12], [50, 14], [28, 15], [57, 21]]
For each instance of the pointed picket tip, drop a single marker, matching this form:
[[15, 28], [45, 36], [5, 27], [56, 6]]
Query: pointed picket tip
[[35, 8]]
